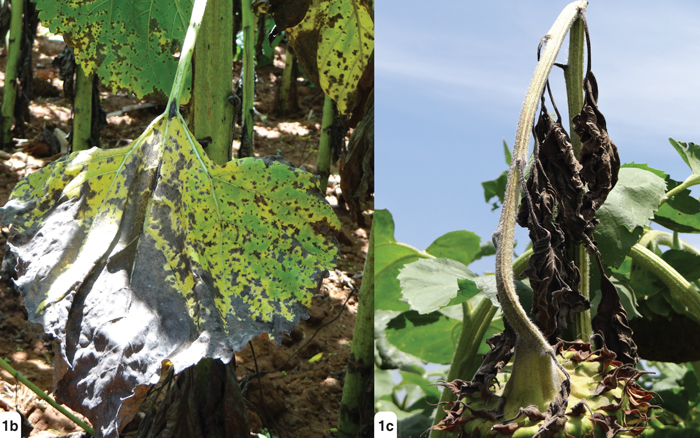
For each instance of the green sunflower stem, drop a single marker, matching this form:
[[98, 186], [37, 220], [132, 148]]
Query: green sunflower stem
[[520, 264], [287, 98], [212, 114], [355, 401], [466, 361], [323, 162], [82, 110], [653, 238], [686, 298], [249, 23], [11, 67], [676, 241], [36, 390], [573, 76]]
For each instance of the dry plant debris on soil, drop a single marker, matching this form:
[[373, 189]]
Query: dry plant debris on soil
[[303, 397]]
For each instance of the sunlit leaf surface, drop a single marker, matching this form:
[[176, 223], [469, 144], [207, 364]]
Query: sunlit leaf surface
[[149, 252], [131, 45]]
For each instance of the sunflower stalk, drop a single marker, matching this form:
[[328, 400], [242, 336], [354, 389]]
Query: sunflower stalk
[[532, 351]]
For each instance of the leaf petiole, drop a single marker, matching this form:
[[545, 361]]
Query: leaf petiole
[[186, 54], [692, 180], [36, 390]]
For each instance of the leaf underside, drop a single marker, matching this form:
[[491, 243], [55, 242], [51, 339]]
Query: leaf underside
[[151, 252], [130, 45]]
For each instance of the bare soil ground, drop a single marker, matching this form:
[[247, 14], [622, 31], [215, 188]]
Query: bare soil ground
[[303, 397]]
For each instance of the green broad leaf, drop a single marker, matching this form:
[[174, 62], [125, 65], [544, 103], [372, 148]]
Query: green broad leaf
[[624, 268], [426, 385], [389, 257], [431, 337], [659, 303], [690, 152], [151, 252], [383, 383], [486, 249], [669, 377], [627, 209], [415, 425], [671, 401], [487, 285], [680, 213], [334, 43], [131, 46], [686, 263], [385, 404], [654, 292], [644, 166], [643, 282], [462, 246], [627, 295], [495, 189], [386, 355], [506, 151], [430, 284], [690, 385]]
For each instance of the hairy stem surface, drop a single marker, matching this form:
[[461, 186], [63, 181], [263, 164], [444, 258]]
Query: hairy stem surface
[[531, 349]]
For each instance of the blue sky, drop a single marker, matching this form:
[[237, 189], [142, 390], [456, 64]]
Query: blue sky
[[451, 78]]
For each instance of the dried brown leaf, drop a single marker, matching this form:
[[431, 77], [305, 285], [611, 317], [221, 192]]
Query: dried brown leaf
[[599, 156], [506, 429], [611, 322], [608, 423], [553, 186]]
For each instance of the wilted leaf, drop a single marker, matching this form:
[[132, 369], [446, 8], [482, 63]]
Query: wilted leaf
[[430, 284], [690, 152], [130, 45], [599, 156], [335, 41], [149, 252], [611, 321], [629, 205], [555, 184]]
